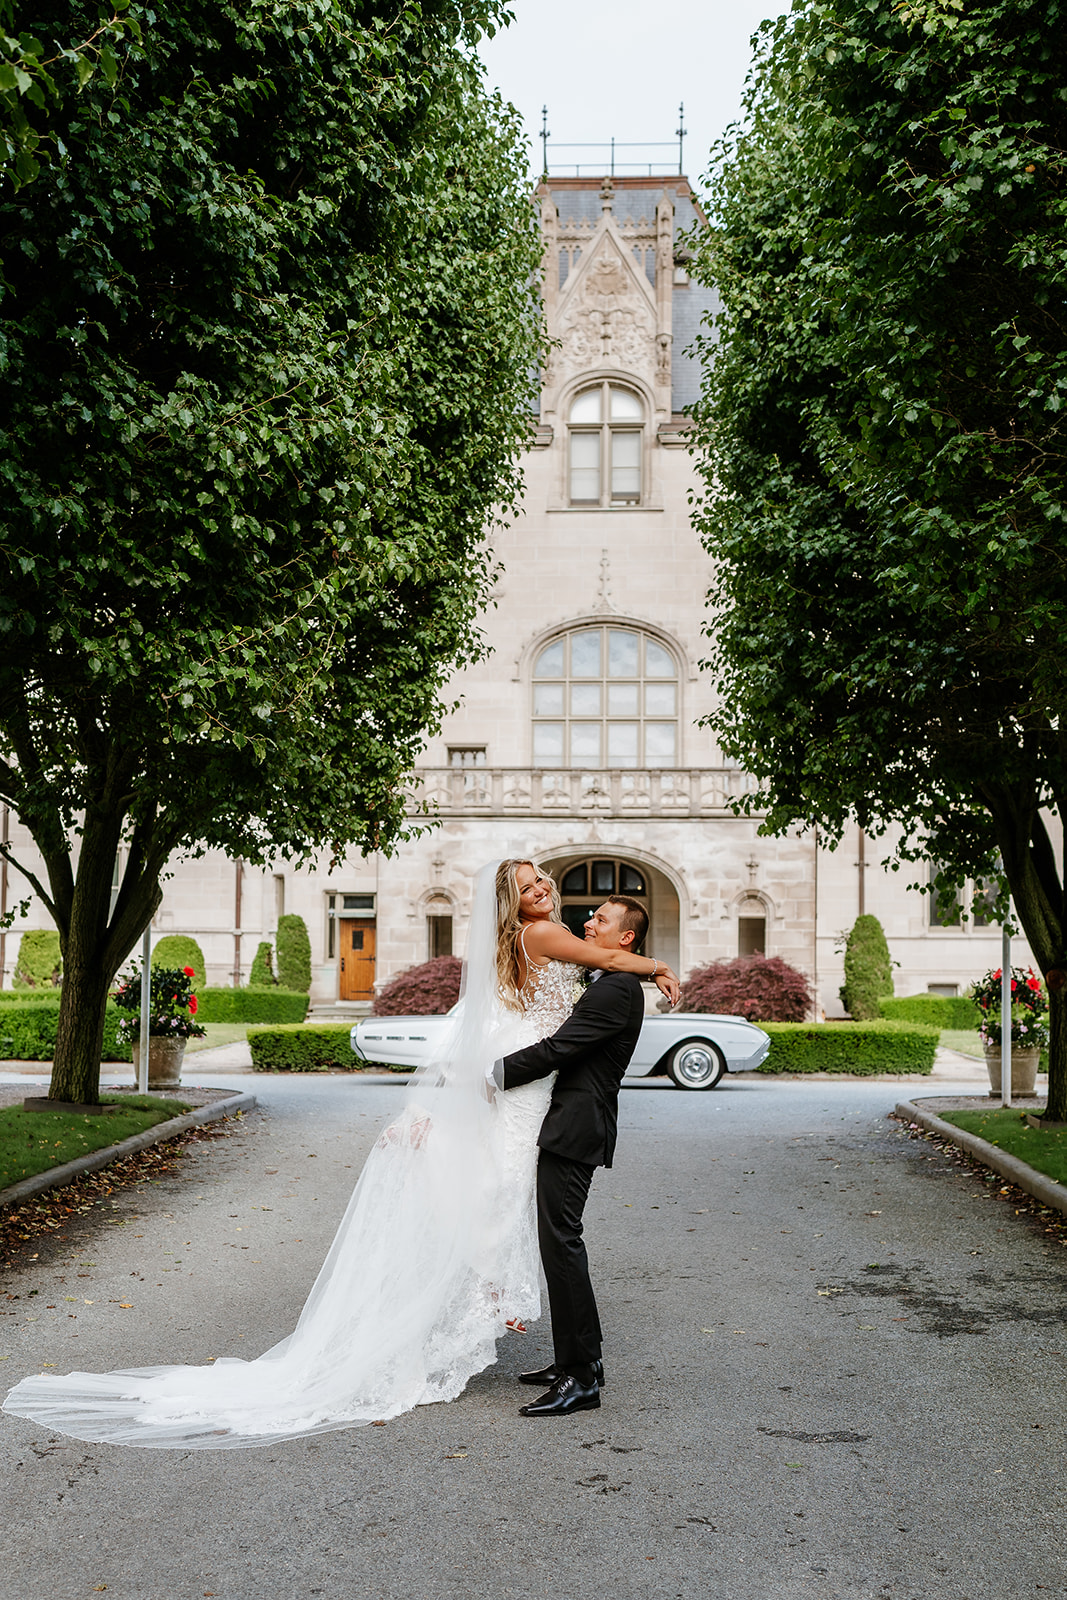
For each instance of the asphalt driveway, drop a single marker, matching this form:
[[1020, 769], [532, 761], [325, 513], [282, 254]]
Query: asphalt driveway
[[834, 1369]]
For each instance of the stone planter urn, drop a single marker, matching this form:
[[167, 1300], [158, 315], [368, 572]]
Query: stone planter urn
[[1024, 1064], [164, 1062]]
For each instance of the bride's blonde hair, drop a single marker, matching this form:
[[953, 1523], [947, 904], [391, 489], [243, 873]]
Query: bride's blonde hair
[[509, 926]]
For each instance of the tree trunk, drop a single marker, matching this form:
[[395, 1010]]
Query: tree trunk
[[1056, 1110], [79, 1037], [93, 948], [1037, 890]]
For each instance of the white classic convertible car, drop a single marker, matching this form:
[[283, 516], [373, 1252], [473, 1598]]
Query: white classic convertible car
[[693, 1048]]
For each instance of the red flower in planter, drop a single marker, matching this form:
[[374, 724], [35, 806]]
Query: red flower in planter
[[1033, 983], [189, 973], [194, 1005]]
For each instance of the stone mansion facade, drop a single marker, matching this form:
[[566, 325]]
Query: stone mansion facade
[[578, 742]]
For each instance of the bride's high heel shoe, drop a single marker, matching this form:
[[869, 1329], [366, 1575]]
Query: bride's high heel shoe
[[513, 1325]]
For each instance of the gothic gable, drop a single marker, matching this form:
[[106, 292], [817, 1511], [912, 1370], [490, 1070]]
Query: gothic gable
[[606, 315]]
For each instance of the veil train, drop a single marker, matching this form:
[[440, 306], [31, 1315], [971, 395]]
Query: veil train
[[403, 1312]]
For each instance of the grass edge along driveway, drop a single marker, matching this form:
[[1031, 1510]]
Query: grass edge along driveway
[[34, 1141], [1044, 1149]]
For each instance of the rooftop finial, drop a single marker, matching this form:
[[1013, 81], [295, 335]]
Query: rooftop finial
[[607, 195], [545, 136], [681, 132]]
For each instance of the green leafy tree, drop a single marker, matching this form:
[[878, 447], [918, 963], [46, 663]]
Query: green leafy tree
[[882, 434], [294, 953], [266, 335], [28, 70], [868, 969]]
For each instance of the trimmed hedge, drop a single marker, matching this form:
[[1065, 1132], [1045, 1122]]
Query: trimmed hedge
[[309, 1049], [858, 1048], [28, 1032], [180, 950], [251, 1005], [30, 997], [936, 1010]]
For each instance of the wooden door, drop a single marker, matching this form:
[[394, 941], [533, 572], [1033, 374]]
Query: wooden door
[[357, 959]]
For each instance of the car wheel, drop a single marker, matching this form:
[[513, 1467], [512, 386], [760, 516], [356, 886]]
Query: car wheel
[[696, 1064]]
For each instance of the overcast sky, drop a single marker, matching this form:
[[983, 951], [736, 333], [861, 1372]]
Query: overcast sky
[[620, 68]]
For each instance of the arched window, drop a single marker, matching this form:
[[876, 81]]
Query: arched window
[[605, 697], [587, 884], [606, 446]]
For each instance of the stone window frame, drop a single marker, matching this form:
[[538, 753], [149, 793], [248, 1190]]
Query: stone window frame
[[568, 717], [605, 430]]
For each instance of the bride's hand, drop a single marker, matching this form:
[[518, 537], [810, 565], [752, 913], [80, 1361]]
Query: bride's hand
[[667, 983]]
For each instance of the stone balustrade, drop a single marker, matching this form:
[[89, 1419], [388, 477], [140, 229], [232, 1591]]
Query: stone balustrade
[[606, 792]]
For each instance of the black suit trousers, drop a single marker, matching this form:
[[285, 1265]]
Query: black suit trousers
[[562, 1190]]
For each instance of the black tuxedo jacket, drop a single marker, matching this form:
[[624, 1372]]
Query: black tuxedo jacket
[[591, 1052]]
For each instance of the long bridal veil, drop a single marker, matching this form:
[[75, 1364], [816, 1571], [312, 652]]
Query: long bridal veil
[[405, 1309]]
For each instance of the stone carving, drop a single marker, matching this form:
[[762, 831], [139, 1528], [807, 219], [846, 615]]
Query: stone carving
[[634, 791], [606, 315]]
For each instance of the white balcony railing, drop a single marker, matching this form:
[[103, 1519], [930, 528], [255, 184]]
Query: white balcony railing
[[531, 791]]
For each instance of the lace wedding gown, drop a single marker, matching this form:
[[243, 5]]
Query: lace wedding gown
[[436, 1250]]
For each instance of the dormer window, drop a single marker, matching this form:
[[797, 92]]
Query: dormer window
[[606, 426]]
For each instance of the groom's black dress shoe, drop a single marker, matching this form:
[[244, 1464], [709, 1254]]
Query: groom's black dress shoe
[[566, 1395], [545, 1377]]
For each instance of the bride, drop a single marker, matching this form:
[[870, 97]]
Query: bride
[[436, 1254]]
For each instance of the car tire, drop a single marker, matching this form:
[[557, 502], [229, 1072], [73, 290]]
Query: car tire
[[696, 1064]]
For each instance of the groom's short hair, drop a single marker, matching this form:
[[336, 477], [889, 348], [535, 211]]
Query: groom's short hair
[[634, 917]]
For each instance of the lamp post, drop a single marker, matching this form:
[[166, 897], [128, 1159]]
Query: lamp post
[[146, 995], [1005, 1013]]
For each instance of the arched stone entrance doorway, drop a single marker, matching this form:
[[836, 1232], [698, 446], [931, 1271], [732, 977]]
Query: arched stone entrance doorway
[[586, 878]]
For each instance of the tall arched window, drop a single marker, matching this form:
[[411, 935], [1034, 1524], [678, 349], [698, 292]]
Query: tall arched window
[[606, 446], [605, 697]]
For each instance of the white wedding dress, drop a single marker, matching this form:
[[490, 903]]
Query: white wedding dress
[[436, 1251]]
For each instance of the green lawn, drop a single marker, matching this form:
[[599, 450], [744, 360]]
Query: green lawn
[[33, 1141], [1044, 1149], [219, 1033], [965, 1040]]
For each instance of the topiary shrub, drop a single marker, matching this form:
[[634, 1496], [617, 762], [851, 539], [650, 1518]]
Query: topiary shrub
[[310, 1049], [759, 988], [180, 950], [293, 950], [937, 1010], [252, 1005], [868, 969], [860, 1049], [39, 964], [427, 990], [262, 973]]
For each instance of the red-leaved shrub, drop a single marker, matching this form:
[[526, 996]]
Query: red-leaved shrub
[[760, 988], [427, 990]]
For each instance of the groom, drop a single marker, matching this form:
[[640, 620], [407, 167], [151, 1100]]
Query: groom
[[591, 1052]]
